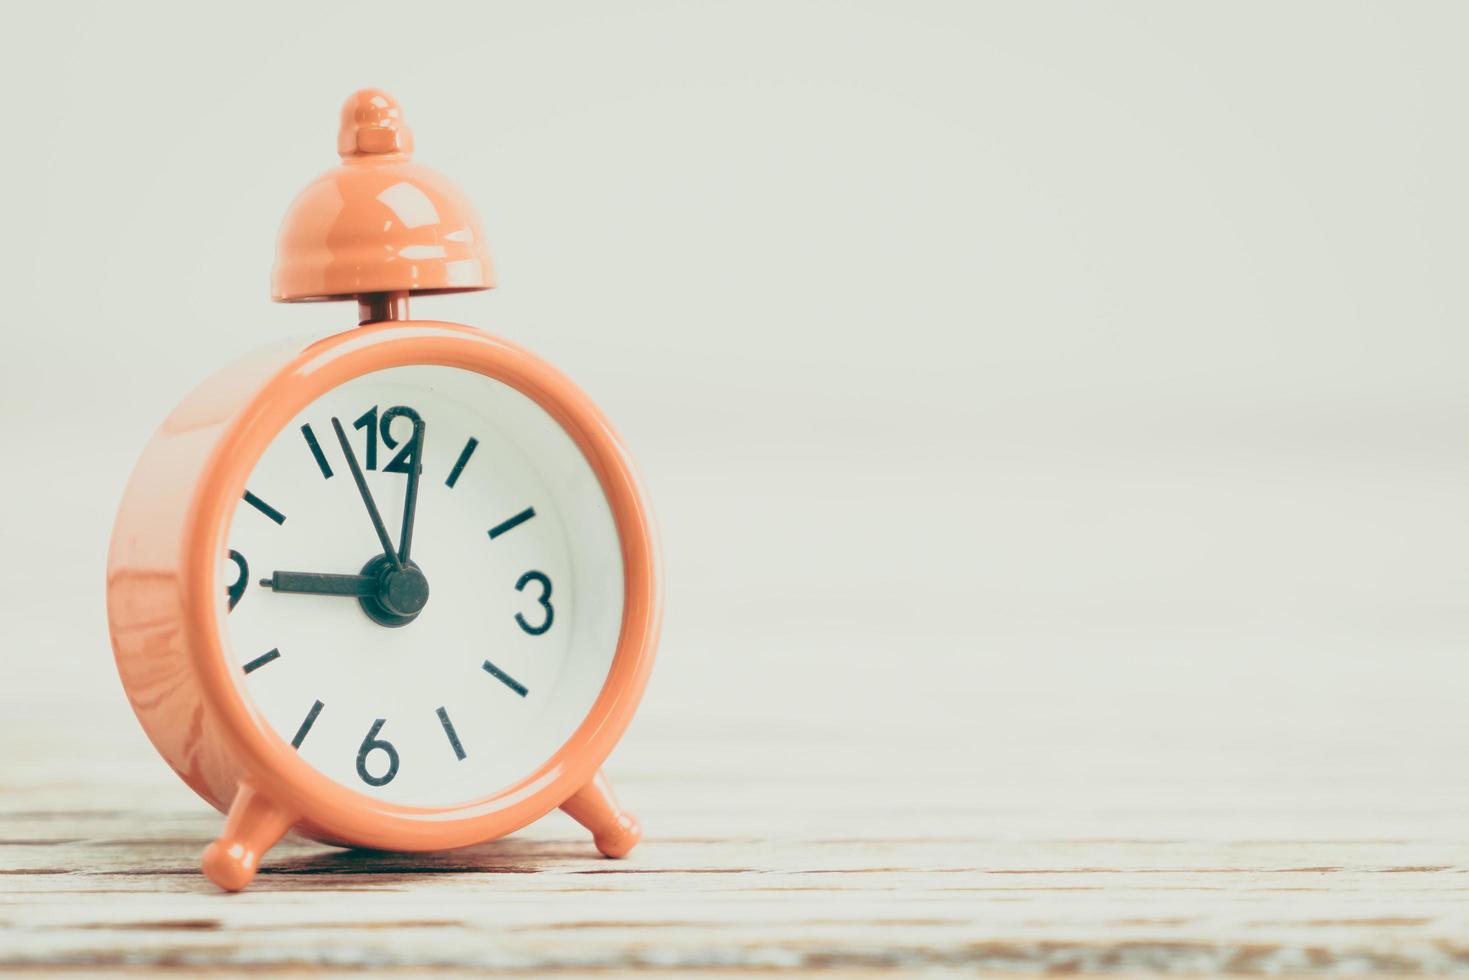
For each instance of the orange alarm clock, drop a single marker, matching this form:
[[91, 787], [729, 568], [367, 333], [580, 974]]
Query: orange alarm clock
[[396, 588]]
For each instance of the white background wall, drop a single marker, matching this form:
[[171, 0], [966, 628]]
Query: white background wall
[[1076, 388]]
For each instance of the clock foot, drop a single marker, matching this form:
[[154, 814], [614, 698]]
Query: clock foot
[[253, 826], [614, 830]]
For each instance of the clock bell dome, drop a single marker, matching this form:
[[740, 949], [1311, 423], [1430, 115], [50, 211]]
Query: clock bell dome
[[379, 223]]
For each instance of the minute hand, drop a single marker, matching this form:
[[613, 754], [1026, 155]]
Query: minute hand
[[318, 583], [366, 494]]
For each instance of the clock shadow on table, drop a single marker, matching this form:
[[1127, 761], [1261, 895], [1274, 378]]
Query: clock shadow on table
[[508, 856]]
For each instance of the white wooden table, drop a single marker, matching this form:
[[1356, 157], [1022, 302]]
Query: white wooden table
[[745, 866]]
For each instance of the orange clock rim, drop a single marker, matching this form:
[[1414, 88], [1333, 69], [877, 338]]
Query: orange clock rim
[[322, 806]]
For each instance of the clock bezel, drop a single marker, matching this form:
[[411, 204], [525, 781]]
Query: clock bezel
[[327, 808]]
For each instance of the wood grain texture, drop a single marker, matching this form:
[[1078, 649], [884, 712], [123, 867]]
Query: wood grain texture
[[742, 870]]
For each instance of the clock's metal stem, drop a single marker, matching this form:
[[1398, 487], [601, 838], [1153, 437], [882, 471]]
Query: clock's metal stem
[[377, 307]]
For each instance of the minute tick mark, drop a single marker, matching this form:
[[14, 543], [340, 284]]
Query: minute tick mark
[[262, 660], [506, 679], [265, 508], [306, 725], [512, 523], [453, 735], [459, 463], [315, 447]]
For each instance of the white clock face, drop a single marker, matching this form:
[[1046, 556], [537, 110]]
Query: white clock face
[[449, 676]]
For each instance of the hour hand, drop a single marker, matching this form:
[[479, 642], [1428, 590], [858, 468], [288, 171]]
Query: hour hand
[[317, 583]]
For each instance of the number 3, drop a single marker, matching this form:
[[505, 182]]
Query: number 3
[[544, 600]]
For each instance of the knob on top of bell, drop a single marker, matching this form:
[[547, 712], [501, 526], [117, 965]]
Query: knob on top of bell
[[372, 123]]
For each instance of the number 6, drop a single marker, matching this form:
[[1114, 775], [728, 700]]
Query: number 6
[[370, 743]]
